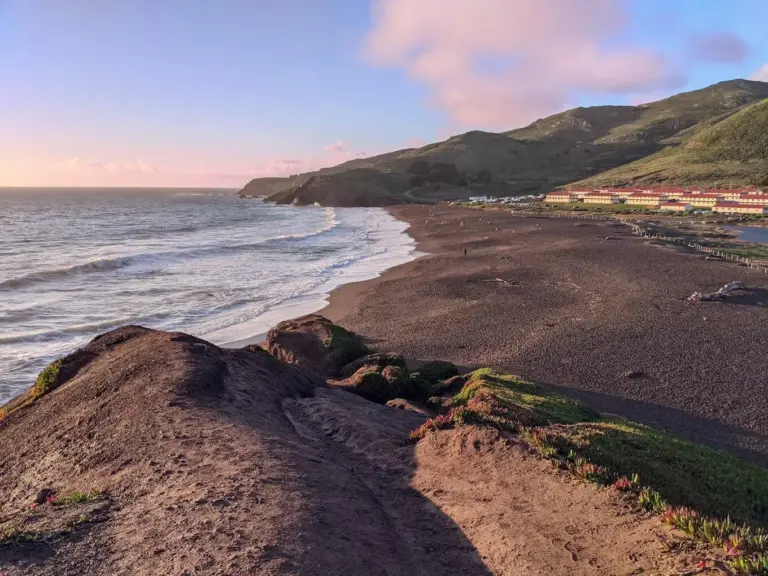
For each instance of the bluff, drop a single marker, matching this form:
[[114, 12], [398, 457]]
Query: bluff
[[150, 452]]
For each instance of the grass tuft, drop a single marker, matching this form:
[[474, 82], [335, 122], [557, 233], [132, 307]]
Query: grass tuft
[[48, 379], [76, 497]]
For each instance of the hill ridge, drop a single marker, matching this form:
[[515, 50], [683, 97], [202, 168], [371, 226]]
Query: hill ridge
[[571, 146]]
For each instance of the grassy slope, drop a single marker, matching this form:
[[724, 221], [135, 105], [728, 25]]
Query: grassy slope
[[683, 473], [704, 492], [733, 150]]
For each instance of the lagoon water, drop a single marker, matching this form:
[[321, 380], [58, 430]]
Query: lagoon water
[[76, 263], [756, 234]]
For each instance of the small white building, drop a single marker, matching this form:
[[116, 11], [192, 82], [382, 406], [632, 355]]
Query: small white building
[[675, 207]]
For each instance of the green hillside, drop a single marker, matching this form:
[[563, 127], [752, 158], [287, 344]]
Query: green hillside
[[731, 151], [560, 149]]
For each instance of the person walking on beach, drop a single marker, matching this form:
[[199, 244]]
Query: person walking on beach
[[465, 251]]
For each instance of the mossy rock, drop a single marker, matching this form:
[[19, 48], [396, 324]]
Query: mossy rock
[[373, 385], [451, 386], [422, 387], [379, 360], [398, 380], [344, 346], [379, 385], [438, 370]]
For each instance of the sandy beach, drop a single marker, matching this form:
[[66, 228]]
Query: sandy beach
[[555, 301]]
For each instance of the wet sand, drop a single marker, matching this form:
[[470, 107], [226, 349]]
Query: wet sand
[[555, 301]]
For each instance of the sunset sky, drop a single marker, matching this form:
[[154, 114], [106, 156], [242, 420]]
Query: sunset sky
[[215, 92]]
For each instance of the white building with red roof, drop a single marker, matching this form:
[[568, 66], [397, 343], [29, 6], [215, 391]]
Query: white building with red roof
[[601, 198], [701, 199], [645, 199], [561, 196], [738, 208], [675, 207], [754, 199]]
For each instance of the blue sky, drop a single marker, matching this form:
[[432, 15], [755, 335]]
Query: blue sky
[[204, 92]]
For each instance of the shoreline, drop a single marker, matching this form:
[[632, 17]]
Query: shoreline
[[338, 300]]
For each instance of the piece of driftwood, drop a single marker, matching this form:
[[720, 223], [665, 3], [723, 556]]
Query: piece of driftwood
[[724, 292]]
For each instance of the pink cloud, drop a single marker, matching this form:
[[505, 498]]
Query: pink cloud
[[81, 164], [339, 146], [761, 74], [719, 47], [88, 171], [551, 49]]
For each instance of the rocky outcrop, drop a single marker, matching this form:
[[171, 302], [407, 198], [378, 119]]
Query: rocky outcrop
[[378, 360], [379, 385], [316, 343], [438, 370], [357, 187]]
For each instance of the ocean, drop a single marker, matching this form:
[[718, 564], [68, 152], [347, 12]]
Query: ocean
[[77, 263]]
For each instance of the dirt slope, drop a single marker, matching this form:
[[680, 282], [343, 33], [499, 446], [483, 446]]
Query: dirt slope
[[526, 518], [217, 461]]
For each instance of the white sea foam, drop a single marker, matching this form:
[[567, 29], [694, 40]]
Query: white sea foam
[[219, 267]]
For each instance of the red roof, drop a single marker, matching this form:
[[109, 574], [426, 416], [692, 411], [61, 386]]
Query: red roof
[[615, 190], [560, 193], [701, 195], [665, 190]]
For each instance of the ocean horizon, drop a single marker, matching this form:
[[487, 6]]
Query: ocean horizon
[[76, 262]]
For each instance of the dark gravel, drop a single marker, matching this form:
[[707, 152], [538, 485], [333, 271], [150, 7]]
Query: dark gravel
[[554, 301]]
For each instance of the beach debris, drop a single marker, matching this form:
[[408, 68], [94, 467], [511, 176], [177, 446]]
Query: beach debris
[[721, 294], [504, 282], [634, 373]]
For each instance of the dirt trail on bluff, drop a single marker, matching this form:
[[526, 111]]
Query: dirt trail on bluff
[[215, 462]]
